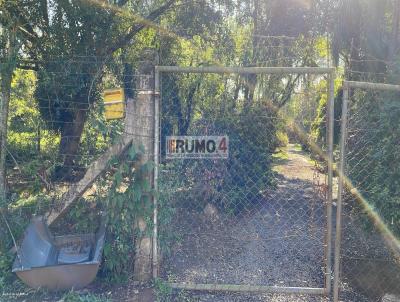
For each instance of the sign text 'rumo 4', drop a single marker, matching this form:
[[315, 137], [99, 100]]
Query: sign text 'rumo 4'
[[197, 147]]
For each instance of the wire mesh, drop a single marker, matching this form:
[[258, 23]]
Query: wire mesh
[[53, 140], [258, 217], [370, 269], [58, 136], [40, 173]]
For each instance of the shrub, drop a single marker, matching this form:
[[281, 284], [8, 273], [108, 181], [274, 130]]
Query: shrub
[[282, 138], [318, 126], [373, 157], [239, 181]]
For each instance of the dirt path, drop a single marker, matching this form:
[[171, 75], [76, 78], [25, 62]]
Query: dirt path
[[278, 242], [294, 164]]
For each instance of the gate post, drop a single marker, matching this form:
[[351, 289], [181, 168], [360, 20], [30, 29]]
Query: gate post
[[330, 135], [141, 127], [341, 172]]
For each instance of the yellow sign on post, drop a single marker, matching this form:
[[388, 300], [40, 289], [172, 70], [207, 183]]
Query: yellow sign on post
[[114, 103]]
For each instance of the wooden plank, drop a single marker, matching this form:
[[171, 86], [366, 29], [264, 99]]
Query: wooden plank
[[249, 288], [96, 169]]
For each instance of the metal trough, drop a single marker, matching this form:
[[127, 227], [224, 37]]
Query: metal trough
[[60, 262]]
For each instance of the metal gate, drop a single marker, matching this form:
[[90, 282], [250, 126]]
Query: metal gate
[[251, 219], [367, 252]]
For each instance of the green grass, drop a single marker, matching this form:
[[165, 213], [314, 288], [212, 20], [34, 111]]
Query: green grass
[[281, 155], [163, 291], [280, 158], [76, 297], [297, 147]]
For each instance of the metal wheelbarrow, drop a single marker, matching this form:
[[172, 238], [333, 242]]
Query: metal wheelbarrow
[[58, 262]]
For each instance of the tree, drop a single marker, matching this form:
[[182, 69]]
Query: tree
[[8, 52], [68, 43], [366, 37]]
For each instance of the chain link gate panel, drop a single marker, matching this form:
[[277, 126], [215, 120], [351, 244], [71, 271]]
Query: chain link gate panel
[[367, 251], [253, 220]]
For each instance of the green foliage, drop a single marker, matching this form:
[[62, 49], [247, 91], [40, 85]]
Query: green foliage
[[129, 196], [365, 37], [69, 77], [69, 47], [64, 87], [83, 218], [282, 139], [76, 297], [30, 149], [247, 172], [163, 291], [5, 264], [9, 43], [374, 170], [33, 150], [98, 135], [168, 191], [318, 126]]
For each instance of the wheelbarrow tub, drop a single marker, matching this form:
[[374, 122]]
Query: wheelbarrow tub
[[58, 263], [60, 277]]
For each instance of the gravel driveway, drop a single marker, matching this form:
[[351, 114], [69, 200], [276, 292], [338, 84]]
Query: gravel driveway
[[278, 242]]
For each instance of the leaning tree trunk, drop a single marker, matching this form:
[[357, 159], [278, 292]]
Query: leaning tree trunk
[[68, 151]]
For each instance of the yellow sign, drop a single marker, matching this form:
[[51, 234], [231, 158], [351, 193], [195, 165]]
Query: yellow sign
[[114, 103]]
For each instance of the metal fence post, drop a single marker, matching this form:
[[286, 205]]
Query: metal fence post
[[340, 193], [331, 117], [156, 168]]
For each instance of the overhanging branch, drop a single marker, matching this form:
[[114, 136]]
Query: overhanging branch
[[135, 29]]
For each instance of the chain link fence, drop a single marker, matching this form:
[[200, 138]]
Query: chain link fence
[[257, 220], [368, 213], [79, 144], [57, 128]]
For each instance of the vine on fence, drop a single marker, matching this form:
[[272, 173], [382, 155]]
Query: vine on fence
[[129, 196]]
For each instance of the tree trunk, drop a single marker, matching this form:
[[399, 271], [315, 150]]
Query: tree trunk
[[69, 144], [252, 78], [6, 77], [5, 100]]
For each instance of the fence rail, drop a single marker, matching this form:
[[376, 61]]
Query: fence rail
[[167, 92], [247, 70]]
